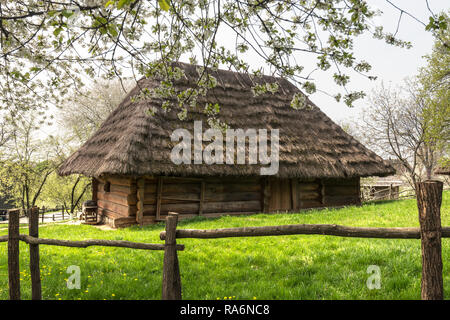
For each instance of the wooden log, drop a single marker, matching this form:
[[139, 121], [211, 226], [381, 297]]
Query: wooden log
[[123, 222], [115, 188], [233, 187], [275, 198], [310, 195], [320, 229], [94, 186], [151, 186], [118, 208], [202, 197], [140, 203], [121, 181], [179, 180], [322, 192], [310, 204], [208, 207], [305, 187], [341, 200], [171, 287], [266, 191], [180, 188], [185, 197], [13, 255], [344, 190], [94, 242], [234, 206], [118, 198], [33, 231], [232, 180], [159, 192], [294, 194], [286, 200], [340, 182], [429, 199]]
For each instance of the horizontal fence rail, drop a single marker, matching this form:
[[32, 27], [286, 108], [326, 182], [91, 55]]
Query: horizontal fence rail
[[88, 243], [298, 229]]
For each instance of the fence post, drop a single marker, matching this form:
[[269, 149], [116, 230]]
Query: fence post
[[33, 228], [171, 287], [43, 212], [13, 255], [429, 199]]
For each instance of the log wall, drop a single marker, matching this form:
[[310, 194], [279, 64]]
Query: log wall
[[118, 205], [296, 194], [148, 199], [339, 192]]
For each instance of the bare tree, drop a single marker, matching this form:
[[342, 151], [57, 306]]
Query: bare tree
[[394, 126], [6, 131], [85, 110]]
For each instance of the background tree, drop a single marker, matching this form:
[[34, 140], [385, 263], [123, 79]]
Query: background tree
[[69, 192], [434, 80], [396, 126], [86, 109], [26, 164], [6, 131]]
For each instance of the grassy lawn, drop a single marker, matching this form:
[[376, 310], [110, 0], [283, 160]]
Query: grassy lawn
[[287, 267]]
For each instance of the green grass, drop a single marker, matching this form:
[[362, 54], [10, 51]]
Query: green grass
[[286, 267]]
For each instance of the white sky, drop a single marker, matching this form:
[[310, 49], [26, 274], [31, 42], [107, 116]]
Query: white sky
[[390, 64]]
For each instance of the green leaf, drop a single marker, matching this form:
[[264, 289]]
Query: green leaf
[[67, 13], [57, 31], [122, 3], [112, 30], [109, 3], [164, 5]]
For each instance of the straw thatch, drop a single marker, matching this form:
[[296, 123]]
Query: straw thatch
[[131, 142]]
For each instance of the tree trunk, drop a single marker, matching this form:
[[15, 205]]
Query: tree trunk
[[13, 255], [429, 199], [33, 224]]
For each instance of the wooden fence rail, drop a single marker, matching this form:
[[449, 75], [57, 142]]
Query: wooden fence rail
[[299, 229]]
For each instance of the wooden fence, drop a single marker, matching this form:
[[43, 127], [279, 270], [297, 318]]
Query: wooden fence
[[430, 232], [34, 241], [429, 201], [58, 213], [388, 193]]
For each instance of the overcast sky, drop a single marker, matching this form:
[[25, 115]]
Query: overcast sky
[[390, 64]]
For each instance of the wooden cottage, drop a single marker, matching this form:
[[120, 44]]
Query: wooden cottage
[[135, 181]]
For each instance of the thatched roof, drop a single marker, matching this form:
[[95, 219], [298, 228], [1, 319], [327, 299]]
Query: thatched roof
[[132, 142]]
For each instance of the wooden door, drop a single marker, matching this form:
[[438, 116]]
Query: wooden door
[[280, 195]]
